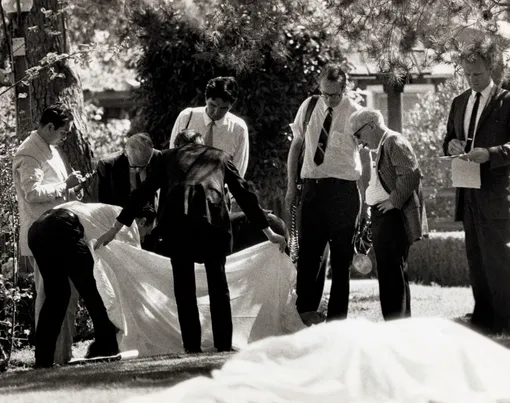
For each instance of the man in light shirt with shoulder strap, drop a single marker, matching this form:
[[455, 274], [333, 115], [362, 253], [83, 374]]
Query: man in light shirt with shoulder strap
[[330, 199], [220, 128], [397, 211]]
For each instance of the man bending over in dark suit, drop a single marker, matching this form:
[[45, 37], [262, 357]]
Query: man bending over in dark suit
[[194, 225], [122, 172], [478, 130]]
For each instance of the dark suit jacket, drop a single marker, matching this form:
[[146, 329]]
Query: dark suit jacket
[[192, 180], [400, 176], [113, 183], [493, 133], [245, 235]]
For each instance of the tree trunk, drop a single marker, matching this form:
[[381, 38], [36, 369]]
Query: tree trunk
[[46, 33]]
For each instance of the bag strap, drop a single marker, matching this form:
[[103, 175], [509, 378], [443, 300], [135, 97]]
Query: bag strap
[[189, 119], [306, 121]]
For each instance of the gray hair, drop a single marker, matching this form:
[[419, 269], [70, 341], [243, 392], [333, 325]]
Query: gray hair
[[140, 145], [363, 116]]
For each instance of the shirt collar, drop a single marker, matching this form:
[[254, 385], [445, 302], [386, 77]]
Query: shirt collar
[[336, 108], [208, 120], [43, 146], [486, 91]]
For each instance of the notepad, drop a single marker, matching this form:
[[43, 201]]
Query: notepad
[[465, 174]]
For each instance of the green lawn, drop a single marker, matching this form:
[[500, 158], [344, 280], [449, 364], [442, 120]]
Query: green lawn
[[112, 382]]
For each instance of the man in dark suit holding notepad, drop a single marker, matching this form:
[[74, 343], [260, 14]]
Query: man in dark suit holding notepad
[[479, 130]]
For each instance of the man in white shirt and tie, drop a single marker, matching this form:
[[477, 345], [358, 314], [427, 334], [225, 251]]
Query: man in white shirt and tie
[[478, 130], [41, 183], [330, 200], [220, 128]]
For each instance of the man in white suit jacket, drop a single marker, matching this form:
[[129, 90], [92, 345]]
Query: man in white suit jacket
[[42, 182]]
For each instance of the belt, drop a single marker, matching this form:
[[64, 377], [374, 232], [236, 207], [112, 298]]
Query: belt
[[326, 180]]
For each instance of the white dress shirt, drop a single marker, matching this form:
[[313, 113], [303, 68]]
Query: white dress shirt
[[375, 192], [341, 159], [230, 134], [469, 108]]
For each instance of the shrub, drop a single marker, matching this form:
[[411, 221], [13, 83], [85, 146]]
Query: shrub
[[275, 65], [14, 298], [439, 259]]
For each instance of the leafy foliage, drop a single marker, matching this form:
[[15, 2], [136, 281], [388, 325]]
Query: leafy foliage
[[276, 70], [426, 129], [105, 137], [15, 296]]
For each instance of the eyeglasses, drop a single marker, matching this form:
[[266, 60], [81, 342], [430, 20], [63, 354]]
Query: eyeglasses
[[138, 167], [357, 132], [325, 95]]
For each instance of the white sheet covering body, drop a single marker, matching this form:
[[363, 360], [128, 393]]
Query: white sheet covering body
[[416, 360], [137, 289]]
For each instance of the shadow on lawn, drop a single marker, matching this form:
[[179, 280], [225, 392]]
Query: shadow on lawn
[[156, 371], [502, 339]]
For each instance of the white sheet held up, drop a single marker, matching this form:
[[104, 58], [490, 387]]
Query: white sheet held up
[[137, 288]]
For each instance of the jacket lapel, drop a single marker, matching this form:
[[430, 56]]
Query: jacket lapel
[[459, 117], [489, 106], [123, 180], [47, 152]]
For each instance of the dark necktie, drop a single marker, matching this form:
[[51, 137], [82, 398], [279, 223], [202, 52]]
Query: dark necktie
[[323, 138], [138, 180], [209, 135], [472, 123]]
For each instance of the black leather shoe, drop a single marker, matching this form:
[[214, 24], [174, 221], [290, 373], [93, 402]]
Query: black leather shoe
[[226, 350], [96, 350]]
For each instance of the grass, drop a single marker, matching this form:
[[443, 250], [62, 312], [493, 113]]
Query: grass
[[113, 382]]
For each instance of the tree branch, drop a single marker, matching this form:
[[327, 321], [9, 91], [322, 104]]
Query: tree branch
[[46, 66]]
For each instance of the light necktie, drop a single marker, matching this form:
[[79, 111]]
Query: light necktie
[[209, 135], [472, 124], [323, 138]]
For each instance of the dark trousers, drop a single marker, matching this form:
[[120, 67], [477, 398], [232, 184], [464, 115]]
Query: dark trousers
[[488, 254], [328, 215], [219, 297], [391, 247], [62, 254]]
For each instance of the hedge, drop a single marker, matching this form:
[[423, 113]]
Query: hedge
[[439, 259]]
